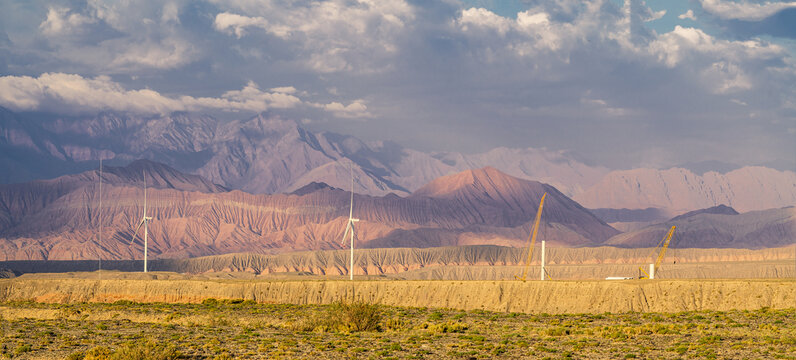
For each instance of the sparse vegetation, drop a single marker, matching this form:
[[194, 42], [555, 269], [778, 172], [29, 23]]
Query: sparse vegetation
[[355, 316], [227, 329]]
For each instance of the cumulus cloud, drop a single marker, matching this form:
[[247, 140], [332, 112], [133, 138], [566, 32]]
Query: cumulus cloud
[[603, 107], [687, 15], [237, 24], [70, 93], [743, 10], [684, 42], [355, 110], [118, 37], [62, 21], [656, 15], [485, 19], [168, 53], [334, 35]]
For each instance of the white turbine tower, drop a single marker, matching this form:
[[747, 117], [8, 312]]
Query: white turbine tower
[[350, 227], [99, 234], [144, 221]]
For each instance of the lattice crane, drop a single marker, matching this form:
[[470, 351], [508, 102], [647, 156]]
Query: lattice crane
[[532, 240], [663, 245]]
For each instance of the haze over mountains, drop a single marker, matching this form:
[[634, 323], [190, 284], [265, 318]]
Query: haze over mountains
[[679, 190], [270, 155]]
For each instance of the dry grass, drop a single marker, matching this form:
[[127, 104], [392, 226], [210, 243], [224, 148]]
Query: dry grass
[[244, 329]]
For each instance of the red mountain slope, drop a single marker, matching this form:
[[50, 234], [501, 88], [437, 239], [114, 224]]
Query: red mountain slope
[[481, 206]]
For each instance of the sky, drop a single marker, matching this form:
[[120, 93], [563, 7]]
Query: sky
[[621, 84]]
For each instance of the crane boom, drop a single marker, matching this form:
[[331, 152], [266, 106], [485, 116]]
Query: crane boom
[[664, 244], [532, 240]]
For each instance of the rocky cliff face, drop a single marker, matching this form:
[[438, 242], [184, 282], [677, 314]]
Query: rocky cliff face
[[58, 219]]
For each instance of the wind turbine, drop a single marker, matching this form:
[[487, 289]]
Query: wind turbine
[[144, 221], [350, 227]]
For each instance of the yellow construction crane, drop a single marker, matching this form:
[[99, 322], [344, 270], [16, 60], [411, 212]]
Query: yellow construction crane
[[532, 240], [663, 245]]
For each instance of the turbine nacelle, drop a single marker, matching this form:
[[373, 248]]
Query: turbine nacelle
[[135, 233], [349, 227]]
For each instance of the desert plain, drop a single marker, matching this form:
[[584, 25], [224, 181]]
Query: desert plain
[[454, 306]]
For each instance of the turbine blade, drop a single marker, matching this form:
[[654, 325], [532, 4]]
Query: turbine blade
[[347, 228], [135, 234], [351, 207]]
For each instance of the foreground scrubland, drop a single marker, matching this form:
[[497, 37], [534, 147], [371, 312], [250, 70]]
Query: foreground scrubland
[[224, 329]]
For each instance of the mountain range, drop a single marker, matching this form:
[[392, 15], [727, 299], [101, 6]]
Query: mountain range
[[59, 218], [269, 155], [679, 190], [719, 227]]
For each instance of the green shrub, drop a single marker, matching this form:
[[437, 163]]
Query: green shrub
[[435, 316], [143, 351], [557, 331], [308, 324], [396, 324], [96, 353], [446, 327], [210, 302], [21, 349], [355, 316], [79, 355]]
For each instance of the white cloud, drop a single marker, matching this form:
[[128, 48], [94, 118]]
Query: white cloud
[[237, 24], [531, 32], [333, 36], [168, 53], [74, 94], [171, 13], [284, 90], [726, 77], [355, 110], [684, 42], [688, 15], [743, 10], [656, 15], [483, 18], [61, 21], [69, 93], [602, 106], [136, 41]]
